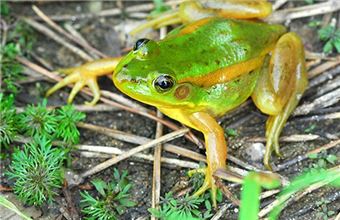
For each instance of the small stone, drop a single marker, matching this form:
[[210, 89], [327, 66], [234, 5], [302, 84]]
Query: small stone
[[255, 152]]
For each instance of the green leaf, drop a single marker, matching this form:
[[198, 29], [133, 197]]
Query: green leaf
[[332, 158], [100, 186], [313, 156], [336, 43], [328, 47], [326, 32]]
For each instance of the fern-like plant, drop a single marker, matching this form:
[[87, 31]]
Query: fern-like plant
[[37, 171]]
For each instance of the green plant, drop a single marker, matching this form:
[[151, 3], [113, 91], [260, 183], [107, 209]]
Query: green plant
[[114, 198], [8, 120], [68, 118], [38, 120], [37, 171], [10, 68], [184, 208], [160, 7], [323, 160], [331, 35], [4, 9]]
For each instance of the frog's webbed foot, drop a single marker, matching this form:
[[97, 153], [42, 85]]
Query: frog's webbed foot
[[79, 82], [280, 87], [85, 75]]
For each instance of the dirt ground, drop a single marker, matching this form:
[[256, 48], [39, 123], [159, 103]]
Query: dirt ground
[[104, 33]]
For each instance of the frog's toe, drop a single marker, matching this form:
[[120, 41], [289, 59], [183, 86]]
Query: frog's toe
[[93, 85], [76, 88], [67, 80], [209, 183]]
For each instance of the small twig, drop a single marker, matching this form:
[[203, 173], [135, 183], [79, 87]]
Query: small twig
[[133, 151], [304, 11], [323, 67], [123, 136], [156, 177], [322, 102], [48, 32], [291, 138], [227, 193], [73, 211], [104, 13], [73, 38], [221, 212], [108, 152], [300, 158]]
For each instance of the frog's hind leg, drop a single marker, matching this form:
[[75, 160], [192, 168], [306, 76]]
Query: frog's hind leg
[[280, 87]]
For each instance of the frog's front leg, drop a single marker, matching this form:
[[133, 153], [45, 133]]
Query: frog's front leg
[[280, 87], [86, 74], [216, 149]]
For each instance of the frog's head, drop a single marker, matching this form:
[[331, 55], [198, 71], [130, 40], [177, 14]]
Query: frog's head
[[144, 75]]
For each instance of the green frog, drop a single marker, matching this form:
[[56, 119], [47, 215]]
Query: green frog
[[208, 67]]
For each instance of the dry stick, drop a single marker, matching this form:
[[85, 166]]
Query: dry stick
[[321, 102], [156, 178], [278, 4], [104, 13], [304, 11], [221, 212], [73, 38], [334, 115], [291, 138], [107, 152], [126, 137], [45, 30], [306, 155], [289, 197], [227, 193], [149, 114], [133, 151], [323, 67]]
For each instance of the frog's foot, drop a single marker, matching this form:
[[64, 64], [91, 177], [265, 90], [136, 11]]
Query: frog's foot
[[79, 81], [280, 87], [86, 75], [209, 183]]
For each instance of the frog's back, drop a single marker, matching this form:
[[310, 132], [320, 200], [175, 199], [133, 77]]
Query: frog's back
[[208, 45]]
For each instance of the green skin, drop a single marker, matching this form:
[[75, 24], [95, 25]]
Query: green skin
[[217, 44]]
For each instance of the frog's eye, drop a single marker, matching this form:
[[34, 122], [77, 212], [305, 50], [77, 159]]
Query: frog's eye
[[139, 43], [163, 83]]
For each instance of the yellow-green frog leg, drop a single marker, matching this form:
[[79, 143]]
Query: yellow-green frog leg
[[215, 143], [86, 74], [190, 11], [280, 87]]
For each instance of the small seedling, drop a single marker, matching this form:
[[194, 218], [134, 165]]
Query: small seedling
[[68, 118], [37, 171], [113, 201], [331, 35], [323, 160], [38, 120], [231, 132], [184, 208]]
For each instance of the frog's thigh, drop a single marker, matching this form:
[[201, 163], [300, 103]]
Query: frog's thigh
[[240, 9], [280, 87]]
